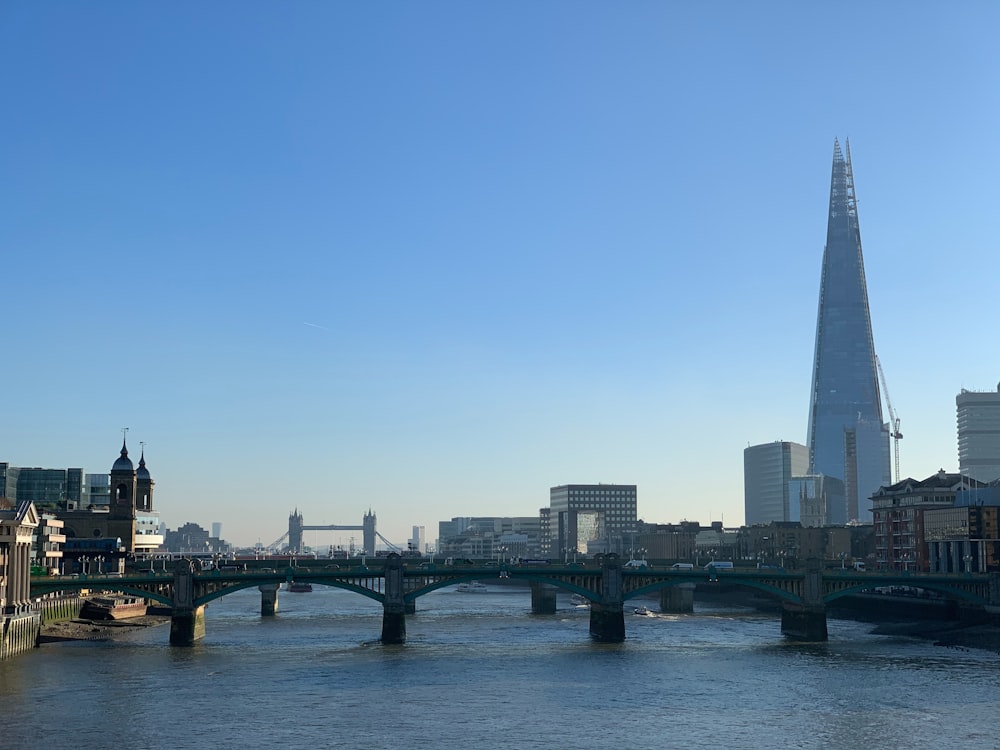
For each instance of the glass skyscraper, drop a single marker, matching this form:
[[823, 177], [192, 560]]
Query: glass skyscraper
[[847, 438]]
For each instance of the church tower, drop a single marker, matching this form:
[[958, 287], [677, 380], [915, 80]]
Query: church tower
[[143, 485], [121, 519]]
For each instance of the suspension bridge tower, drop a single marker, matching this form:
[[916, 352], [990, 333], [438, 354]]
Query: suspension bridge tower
[[369, 532]]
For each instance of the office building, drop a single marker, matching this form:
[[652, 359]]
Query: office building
[[965, 538], [98, 492], [847, 436], [767, 472], [979, 434], [500, 537], [417, 541], [51, 489], [592, 518]]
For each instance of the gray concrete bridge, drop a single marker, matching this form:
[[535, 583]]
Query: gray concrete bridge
[[607, 585]]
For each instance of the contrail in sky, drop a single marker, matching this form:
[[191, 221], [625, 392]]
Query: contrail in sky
[[313, 325]]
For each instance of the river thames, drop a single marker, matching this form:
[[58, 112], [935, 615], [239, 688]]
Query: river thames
[[480, 671]]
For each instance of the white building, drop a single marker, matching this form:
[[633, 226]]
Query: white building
[[767, 472], [979, 434]]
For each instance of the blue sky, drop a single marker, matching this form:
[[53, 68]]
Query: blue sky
[[434, 258]]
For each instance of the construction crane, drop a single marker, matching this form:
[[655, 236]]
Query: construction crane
[[893, 419]]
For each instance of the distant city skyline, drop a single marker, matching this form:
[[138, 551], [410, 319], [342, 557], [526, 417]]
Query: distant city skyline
[[435, 260]]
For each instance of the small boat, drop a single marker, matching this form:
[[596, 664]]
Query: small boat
[[472, 587], [578, 600], [113, 607], [642, 611], [298, 587]]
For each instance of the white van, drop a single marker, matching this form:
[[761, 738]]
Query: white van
[[636, 564], [682, 566], [719, 565]]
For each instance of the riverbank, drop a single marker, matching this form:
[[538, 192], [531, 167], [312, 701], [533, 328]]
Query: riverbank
[[96, 630]]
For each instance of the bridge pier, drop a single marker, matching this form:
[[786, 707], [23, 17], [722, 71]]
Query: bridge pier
[[677, 599], [803, 622], [187, 626], [409, 608], [187, 622], [543, 598], [268, 599], [607, 617], [393, 606], [807, 621]]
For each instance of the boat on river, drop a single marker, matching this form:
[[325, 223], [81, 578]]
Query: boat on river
[[579, 600], [472, 587], [113, 607], [642, 611], [298, 587]]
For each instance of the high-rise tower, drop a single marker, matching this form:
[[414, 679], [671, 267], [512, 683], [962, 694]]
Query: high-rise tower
[[978, 434], [847, 437]]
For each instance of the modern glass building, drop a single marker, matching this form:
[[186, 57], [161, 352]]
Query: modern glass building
[[46, 488], [767, 472], [848, 438]]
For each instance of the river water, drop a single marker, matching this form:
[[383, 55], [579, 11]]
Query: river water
[[480, 671]]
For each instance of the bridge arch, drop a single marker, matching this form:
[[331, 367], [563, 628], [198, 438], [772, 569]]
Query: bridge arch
[[771, 591], [951, 593]]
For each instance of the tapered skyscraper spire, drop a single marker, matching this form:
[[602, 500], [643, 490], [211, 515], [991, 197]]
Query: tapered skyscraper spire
[[847, 437]]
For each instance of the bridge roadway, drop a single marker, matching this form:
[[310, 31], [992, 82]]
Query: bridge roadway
[[397, 583]]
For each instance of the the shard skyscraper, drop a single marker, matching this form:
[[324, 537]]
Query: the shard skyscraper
[[847, 436]]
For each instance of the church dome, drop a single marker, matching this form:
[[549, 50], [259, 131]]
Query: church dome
[[124, 463]]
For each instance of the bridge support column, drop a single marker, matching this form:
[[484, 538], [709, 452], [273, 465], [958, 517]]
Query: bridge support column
[[393, 606], [268, 599], [607, 617], [187, 621], [807, 621], [187, 626], [677, 599], [409, 608], [803, 623], [543, 598]]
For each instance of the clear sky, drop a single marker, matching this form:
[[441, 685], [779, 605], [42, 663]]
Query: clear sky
[[435, 258]]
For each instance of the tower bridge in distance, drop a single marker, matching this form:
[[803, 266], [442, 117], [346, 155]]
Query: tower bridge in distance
[[293, 538], [605, 583]]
